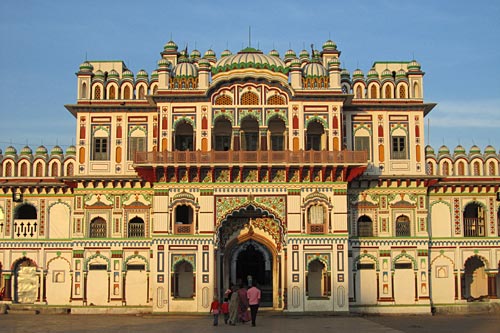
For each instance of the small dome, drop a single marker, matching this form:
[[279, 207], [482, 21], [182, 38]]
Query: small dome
[[170, 46], [274, 53], [250, 58], [474, 150], [414, 66], [210, 55], [71, 150], [304, 54], [225, 53], [185, 69], [142, 75], [154, 75], [316, 54], [204, 64], [345, 73], [113, 75], [358, 74], [314, 69], [99, 75], [10, 151], [163, 63], [386, 74], [295, 62], [41, 151], [459, 150], [443, 150], [329, 45], [429, 150], [290, 54], [195, 54], [127, 75], [401, 75], [490, 150], [26, 151], [86, 67], [56, 151], [372, 74]]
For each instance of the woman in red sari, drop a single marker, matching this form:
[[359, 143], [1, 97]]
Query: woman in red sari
[[243, 315]]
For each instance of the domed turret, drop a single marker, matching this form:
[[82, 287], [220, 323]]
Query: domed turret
[[289, 55], [314, 69], [113, 75], [56, 151], [225, 53], [163, 63], [474, 150], [443, 150], [386, 75], [185, 69], [401, 75], [195, 55], [142, 75], [459, 150], [26, 151], [490, 150], [10, 151], [372, 75], [210, 55], [86, 67], [295, 63], [154, 75], [274, 53], [41, 151], [345, 75], [414, 66], [429, 151], [329, 45], [304, 55], [127, 76], [98, 76], [170, 47], [71, 151], [249, 58]]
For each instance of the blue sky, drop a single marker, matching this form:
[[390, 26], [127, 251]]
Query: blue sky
[[42, 43]]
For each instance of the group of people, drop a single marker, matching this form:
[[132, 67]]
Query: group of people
[[235, 306]]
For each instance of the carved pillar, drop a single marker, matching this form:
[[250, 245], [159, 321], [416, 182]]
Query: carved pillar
[[236, 140], [416, 285], [85, 288], [492, 285], [263, 140], [124, 281], [456, 286], [109, 287], [44, 287], [7, 279]]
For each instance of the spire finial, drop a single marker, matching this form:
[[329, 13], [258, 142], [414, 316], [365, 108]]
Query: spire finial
[[249, 36]]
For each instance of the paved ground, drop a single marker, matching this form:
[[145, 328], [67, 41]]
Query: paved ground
[[266, 322]]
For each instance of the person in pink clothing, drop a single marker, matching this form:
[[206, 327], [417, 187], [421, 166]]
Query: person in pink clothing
[[253, 295]]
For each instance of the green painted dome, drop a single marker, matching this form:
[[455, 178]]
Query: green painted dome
[[386, 74], [210, 55], [154, 75], [113, 75], [195, 54], [250, 58], [304, 54], [314, 69], [56, 151], [41, 151], [163, 63], [372, 74], [185, 69], [443, 150], [358, 74], [26, 151], [225, 53], [127, 75], [429, 150], [414, 66], [71, 150], [459, 150], [290, 54], [474, 150], [98, 75], [142, 75], [490, 150], [86, 67], [274, 53], [329, 45], [170, 46], [10, 151]]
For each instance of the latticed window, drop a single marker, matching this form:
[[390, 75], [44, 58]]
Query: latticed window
[[373, 91], [8, 170], [403, 226], [429, 170], [224, 100], [358, 92], [97, 92], [112, 92], [136, 227], [399, 149], [491, 168], [155, 89], [39, 170], [402, 91], [388, 91], [476, 168], [141, 92], [276, 100], [126, 93], [316, 219], [69, 169], [249, 98], [446, 168], [365, 226], [474, 220], [461, 170], [55, 170], [98, 228]]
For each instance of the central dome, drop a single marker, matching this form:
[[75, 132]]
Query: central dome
[[250, 58]]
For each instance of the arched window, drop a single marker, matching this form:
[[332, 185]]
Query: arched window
[[8, 170], [365, 226], [69, 169], [83, 93], [373, 91], [249, 98], [25, 212], [184, 216], [358, 92], [112, 92], [315, 132], [24, 170], [476, 168], [39, 170], [55, 170], [126, 92], [491, 168], [183, 282], [276, 100], [155, 90], [316, 219], [403, 226], [474, 220], [402, 91], [98, 228], [429, 169], [446, 168], [249, 134], [141, 92], [222, 134], [317, 280], [136, 227], [97, 92], [277, 130], [461, 169], [416, 90], [224, 100], [184, 136], [388, 91]]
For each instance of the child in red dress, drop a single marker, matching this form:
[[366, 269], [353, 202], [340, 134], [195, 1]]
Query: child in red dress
[[214, 309]]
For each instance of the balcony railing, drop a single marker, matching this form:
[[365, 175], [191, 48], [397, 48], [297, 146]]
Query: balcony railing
[[315, 228], [27, 229], [250, 157], [474, 227], [183, 229]]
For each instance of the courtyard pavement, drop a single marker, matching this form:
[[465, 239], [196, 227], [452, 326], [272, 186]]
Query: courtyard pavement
[[266, 322]]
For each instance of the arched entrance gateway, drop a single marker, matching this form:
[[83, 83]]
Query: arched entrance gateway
[[249, 243]]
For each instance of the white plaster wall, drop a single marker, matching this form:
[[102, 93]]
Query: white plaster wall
[[442, 281], [404, 286], [136, 288], [441, 222], [58, 282], [366, 286], [59, 221], [97, 287]]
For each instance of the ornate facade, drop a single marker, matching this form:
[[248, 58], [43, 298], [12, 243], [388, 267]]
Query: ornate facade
[[285, 171]]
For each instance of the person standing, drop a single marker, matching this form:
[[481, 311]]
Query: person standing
[[253, 295], [225, 310], [233, 307], [214, 309]]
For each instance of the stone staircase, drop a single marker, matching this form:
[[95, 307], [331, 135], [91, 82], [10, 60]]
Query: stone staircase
[[31, 309]]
